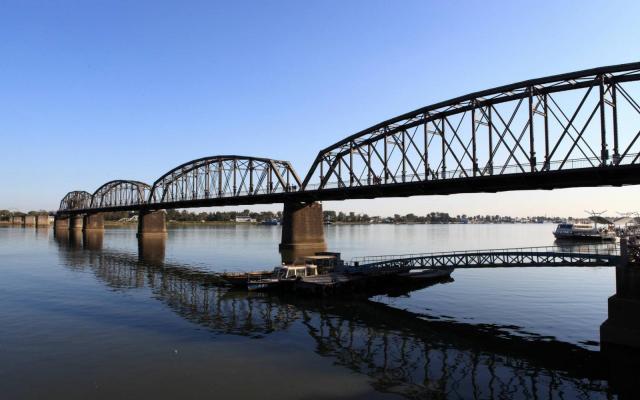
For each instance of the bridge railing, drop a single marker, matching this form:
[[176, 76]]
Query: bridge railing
[[587, 249], [586, 162]]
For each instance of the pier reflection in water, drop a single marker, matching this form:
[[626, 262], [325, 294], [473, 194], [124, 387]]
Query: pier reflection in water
[[397, 350]]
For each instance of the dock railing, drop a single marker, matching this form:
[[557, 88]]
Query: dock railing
[[587, 250]]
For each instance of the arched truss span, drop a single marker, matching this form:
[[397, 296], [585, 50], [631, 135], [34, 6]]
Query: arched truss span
[[76, 200], [120, 193], [225, 176], [583, 119]]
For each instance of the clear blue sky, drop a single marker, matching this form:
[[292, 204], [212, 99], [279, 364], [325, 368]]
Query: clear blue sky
[[96, 90]]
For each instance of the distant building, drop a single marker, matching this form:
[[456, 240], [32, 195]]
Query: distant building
[[244, 219]]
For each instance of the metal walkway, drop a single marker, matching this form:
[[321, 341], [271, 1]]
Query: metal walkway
[[553, 256]]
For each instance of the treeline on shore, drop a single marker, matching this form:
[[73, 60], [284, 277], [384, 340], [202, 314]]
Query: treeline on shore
[[187, 216], [6, 215], [329, 216]]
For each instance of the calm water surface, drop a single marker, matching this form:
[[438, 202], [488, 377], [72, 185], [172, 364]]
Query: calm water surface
[[104, 317]]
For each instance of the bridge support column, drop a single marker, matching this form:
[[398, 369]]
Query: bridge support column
[[17, 220], [152, 223], [623, 324], [61, 222], [29, 220], [76, 222], [42, 221], [93, 222], [620, 333], [302, 230]]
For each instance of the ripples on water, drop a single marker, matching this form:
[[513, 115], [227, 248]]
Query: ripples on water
[[105, 316]]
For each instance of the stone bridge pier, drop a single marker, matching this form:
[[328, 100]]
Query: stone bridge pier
[[76, 222], [620, 333], [302, 230], [61, 222], [42, 221], [93, 222], [623, 324], [152, 223], [29, 220]]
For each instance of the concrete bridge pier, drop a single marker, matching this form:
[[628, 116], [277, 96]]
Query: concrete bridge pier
[[29, 220], [76, 222], [302, 230], [42, 221], [93, 222], [620, 333], [623, 324], [152, 223], [17, 220], [61, 222]]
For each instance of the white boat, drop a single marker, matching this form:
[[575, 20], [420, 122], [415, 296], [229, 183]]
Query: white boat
[[583, 232]]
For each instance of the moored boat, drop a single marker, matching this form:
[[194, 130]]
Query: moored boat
[[583, 232]]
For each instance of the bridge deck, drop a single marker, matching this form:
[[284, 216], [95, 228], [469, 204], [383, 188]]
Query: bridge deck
[[551, 256]]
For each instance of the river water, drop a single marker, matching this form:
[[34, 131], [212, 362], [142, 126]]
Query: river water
[[105, 316]]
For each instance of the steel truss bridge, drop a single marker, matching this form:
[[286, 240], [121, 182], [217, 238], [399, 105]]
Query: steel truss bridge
[[550, 256], [570, 130]]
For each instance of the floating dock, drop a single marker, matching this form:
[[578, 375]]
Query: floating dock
[[326, 274]]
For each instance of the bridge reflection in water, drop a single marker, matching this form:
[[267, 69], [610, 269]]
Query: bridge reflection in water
[[399, 351]]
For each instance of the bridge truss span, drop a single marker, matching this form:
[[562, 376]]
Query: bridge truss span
[[120, 193], [580, 129], [75, 200], [224, 177], [584, 119]]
